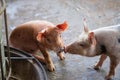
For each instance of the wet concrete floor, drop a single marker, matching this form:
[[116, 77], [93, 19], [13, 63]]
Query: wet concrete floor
[[98, 13]]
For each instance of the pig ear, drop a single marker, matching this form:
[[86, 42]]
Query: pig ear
[[91, 38], [62, 26], [40, 35], [85, 25]]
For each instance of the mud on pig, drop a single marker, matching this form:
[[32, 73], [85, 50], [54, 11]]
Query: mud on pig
[[103, 41], [41, 36]]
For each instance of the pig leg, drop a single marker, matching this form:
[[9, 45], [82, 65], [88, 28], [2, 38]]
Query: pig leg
[[100, 62], [113, 65], [39, 58], [33, 52], [61, 56], [48, 60]]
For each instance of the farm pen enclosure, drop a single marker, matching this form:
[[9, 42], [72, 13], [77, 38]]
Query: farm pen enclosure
[[98, 13]]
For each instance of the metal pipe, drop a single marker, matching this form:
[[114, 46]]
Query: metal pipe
[[8, 48], [22, 58], [1, 63], [6, 30]]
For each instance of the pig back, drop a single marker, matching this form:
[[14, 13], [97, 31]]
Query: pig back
[[24, 36]]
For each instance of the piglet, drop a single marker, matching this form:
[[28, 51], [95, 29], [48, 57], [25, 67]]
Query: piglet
[[41, 36], [103, 41]]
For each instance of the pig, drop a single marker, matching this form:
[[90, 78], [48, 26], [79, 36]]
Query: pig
[[103, 41], [39, 35]]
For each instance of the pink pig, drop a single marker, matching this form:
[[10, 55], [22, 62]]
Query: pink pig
[[103, 41], [41, 36]]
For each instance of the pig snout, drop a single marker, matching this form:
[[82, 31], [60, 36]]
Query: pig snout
[[73, 49], [59, 50], [67, 49]]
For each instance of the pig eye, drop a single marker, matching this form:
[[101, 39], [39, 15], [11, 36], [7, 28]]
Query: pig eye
[[49, 40], [82, 45], [60, 35]]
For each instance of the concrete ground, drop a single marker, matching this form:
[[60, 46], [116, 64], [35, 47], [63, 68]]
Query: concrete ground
[[98, 13]]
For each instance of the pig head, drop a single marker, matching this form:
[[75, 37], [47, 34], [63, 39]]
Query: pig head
[[85, 45], [37, 36], [51, 38]]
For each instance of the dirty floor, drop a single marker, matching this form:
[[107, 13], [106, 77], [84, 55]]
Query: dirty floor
[[98, 13]]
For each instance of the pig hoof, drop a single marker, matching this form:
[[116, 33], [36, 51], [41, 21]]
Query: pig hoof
[[97, 68], [108, 78], [62, 58], [51, 68]]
